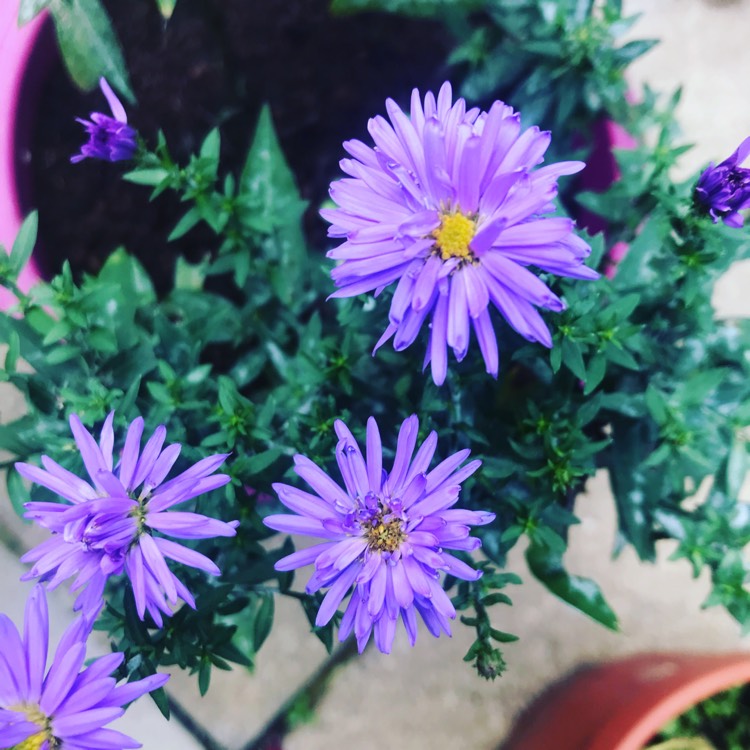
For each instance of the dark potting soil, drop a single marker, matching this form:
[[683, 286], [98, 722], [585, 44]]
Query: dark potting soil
[[215, 63]]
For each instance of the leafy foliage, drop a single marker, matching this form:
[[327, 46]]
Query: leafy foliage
[[245, 354], [87, 41]]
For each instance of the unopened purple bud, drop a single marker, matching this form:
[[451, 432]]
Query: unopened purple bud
[[110, 138], [725, 189]]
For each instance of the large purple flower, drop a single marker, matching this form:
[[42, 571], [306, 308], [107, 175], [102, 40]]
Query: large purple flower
[[449, 204], [110, 138], [108, 526], [386, 534], [725, 189], [67, 706]]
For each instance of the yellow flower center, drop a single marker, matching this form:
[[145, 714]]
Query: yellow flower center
[[34, 715], [453, 236], [385, 536], [32, 743]]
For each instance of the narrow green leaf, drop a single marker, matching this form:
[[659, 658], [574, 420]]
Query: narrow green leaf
[[582, 593], [596, 370], [128, 400], [263, 621], [269, 184], [657, 404], [14, 351], [29, 9], [25, 241], [573, 359], [162, 702], [204, 676], [737, 465], [211, 146], [501, 637], [89, 46], [260, 461], [63, 353], [146, 176], [185, 224], [166, 8], [17, 492], [633, 50]]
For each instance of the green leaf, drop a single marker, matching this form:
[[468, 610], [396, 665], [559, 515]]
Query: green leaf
[[657, 404], [166, 8], [633, 50], [258, 462], [204, 676], [63, 353], [125, 271], [185, 224], [14, 351], [582, 593], [162, 701], [17, 492], [501, 637], [737, 465], [211, 146], [269, 184], [29, 9], [146, 176], [89, 45], [263, 621], [406, 7], [24, 243], [637, 489], [596, 371], [573, 359]]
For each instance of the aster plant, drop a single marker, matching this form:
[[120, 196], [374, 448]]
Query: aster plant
[[451, 205], [67, 705], [386, 534], [106, 527], [451, 212]]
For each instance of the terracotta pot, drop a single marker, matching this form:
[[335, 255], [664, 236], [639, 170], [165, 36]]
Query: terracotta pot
[[25, 57], [622, 704]]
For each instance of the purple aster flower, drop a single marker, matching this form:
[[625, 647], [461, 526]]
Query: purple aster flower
[[449, 205], [66, 706], [110, 138], [725, 189], [115, 523], [386, 534]]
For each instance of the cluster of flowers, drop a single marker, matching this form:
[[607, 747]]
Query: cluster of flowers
[[451, 206], [104, 528]]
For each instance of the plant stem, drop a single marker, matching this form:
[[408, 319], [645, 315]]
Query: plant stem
[[315, 688], [200, 733]]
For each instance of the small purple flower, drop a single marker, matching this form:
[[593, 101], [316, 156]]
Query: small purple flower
[[110, 138], [725, 189], [109, 526], [386, 534], [449, 204], [67, 706]]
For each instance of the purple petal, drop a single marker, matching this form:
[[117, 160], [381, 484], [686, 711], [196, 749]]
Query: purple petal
[[118, 111], [189, 525], [130, 453]]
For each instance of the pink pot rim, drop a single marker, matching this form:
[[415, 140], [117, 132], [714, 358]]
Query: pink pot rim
[[16, 48]]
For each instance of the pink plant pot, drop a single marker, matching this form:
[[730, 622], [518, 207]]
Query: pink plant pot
[[25, 57]]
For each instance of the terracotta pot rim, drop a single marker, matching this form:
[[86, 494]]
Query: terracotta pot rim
[[620, 704], [723, 671]]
